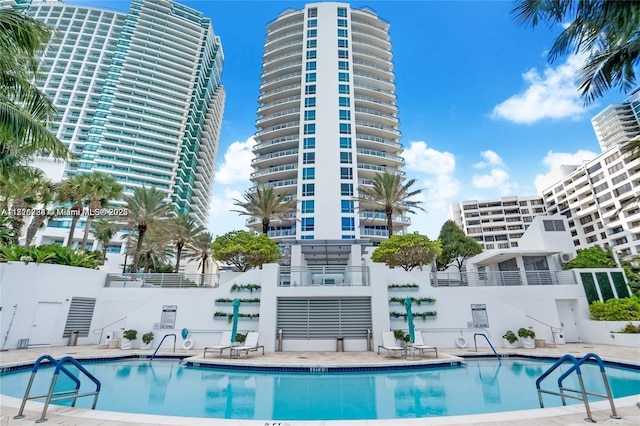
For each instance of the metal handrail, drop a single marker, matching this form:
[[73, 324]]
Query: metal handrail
[[175, 338], [60, 395], [584, 398], [101, 330], [488, 341]]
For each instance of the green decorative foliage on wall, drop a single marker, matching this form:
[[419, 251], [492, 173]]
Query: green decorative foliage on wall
[[621, 286], [605, 286], [589, 287]]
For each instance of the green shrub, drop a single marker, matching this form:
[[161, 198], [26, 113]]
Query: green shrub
[[510, 337], [631, 329], [53, 254], [147, 338], [627, 309], [130, 334], [526, 333]]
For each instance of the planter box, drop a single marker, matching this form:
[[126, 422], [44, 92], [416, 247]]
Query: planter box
[[403, 288]]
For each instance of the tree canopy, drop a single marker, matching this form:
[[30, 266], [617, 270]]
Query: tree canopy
[[245, 250], [593, 257], [407, 251], [457, 247]]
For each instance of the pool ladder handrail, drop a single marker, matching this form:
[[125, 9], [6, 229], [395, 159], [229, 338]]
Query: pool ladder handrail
[[175, 338], [584, 394], [50, 396], [488, 341]]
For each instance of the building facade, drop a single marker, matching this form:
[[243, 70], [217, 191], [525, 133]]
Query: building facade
[[619, 122], [327, 121], [139, 96]]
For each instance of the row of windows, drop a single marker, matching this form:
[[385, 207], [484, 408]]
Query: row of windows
[[308, 224]]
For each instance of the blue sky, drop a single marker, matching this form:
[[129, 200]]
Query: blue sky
[[482, 112]]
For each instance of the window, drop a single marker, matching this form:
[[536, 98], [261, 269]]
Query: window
[[346, 189], [348, 224], [345, 114], [342, 12], [622, 189], [615, 168], [613, 157], [343, 43], [346, 173], [342, 22], [343, 76], [345, 128], [309, 143], [347, 206], [310, 89], [348, 237], [345, 143], [344, 101], [342, 32], [308, 206], [310, 77], [594, 168], [312, 23], [312, 33], [311, 65], [601, 187], [310, 129], [616, 180], [312, 44], [310, 102], [553, 225], [343, 65], [342, 54], [311, 54], [308, 224], [345, 158], [308, 173], [306, 237], [343, 89], [308, 189], [310, 115], [309, 158], [312, 13]]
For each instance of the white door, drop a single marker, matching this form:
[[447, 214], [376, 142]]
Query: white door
[[44, 322], [567, 315]]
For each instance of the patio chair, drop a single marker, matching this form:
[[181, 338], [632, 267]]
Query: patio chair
[[225, 343], [419, 345], [250, 344], [389, 343]]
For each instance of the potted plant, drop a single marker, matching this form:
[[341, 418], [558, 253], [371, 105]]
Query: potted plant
[[510, 340], [401, 337], [526, 335], [147, 339], [128, 336]]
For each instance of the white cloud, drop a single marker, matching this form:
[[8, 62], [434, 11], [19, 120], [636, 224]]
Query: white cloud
[[552, 94], [495, 178], [418, 157], [553, 160], [491, 159], [237, 163]]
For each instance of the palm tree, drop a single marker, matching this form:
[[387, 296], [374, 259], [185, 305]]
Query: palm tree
[[390, 194], [200, 250], [104, 230], [266, 204], [607, 31], [24, 110], [46, 193], [18, 188], [71, 191], [147, 208], [183, 230], [155, 251], [100, 189]]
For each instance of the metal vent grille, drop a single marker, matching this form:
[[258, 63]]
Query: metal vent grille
[[324, 318], [80, 315]]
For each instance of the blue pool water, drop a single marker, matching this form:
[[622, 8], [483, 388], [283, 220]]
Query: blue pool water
[[169, 388]]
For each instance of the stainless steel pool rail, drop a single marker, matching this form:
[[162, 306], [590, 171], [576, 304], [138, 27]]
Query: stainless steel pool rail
[[488, 341], [52, 395], [175, 338], [582, 391]]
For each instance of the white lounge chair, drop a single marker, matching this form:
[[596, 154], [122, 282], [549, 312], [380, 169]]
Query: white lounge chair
[[225, 343], [250, 344], [389, 343], [419, 345]]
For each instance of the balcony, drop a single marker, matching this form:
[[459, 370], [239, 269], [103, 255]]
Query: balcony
[[322, 276], [502, 278], [279, 170]]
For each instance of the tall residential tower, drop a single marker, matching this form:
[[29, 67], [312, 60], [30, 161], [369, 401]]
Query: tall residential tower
[[327, 120]]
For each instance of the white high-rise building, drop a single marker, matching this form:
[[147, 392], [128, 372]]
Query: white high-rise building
[[139, 96], [327, 121], [618, 123]]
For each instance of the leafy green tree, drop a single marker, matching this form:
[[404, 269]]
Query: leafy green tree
[[407, 251], [182, 231], [147, 208], [24, 109], [608, 32], [245, 250], [45, 193], [99, 190], [389, 194], [266, 204], [457, 246], [593, 257], [104, 230], [8, 235]]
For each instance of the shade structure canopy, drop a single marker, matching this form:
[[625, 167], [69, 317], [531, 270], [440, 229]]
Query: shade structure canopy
[[407, 305]]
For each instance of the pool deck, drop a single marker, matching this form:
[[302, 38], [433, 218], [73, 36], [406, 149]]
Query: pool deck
[[627, 407]]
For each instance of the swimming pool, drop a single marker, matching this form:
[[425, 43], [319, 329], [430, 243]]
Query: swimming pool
[[170, 388]]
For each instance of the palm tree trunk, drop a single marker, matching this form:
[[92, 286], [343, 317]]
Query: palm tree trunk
[[85, 237], [389, 215], [178, 255], [265, 226], [104, 251], [136, 256], [76, 211], [33, 228]]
